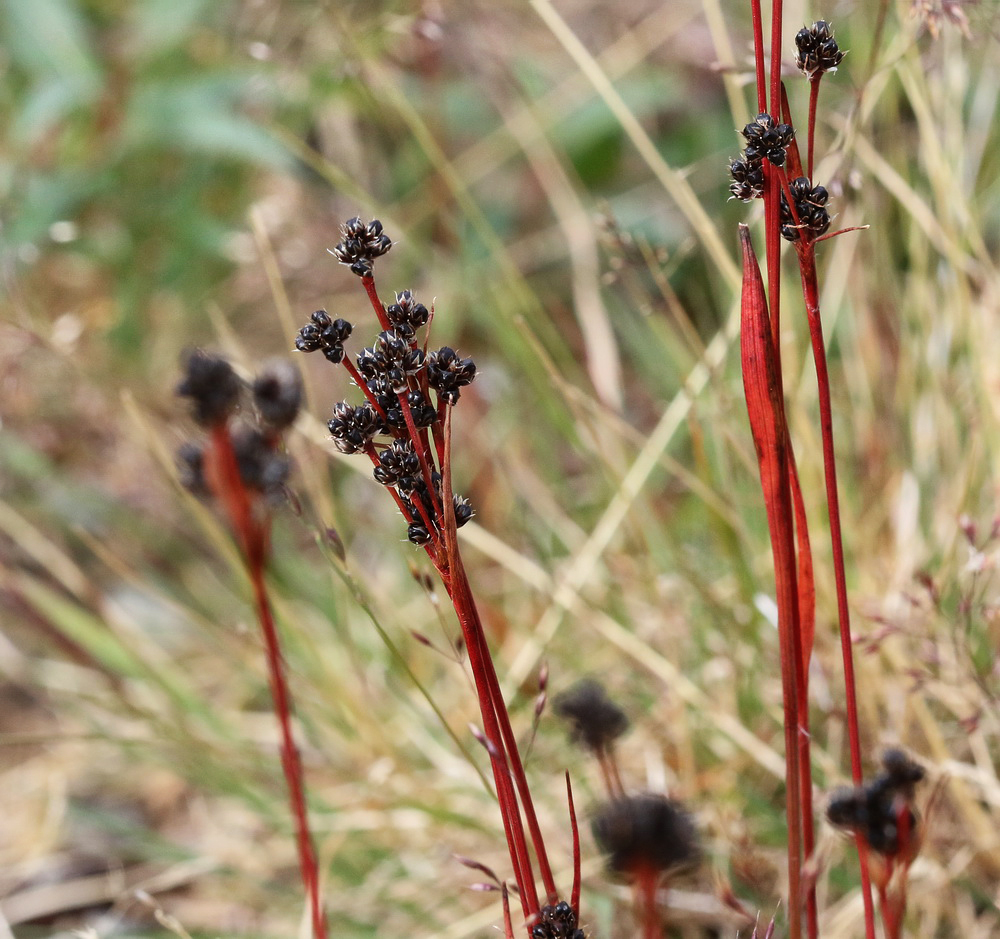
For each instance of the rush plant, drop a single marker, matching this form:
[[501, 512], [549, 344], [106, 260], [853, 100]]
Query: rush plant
[[772, 168], [404, 427]]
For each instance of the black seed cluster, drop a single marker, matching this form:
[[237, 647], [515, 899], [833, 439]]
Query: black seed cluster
[[879, 809], [215, 391], [421, 508], [406, 315], [398, 466], [595, 720], [324, 334], [748, 180], [353, 428], [643, 833], [816, 50], [557, 921], [810, 204], [765, 140], [448, 373], [391, 362], [362, 244], [212, 385]]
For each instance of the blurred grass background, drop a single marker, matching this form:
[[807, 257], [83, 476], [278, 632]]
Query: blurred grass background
[[172, 172]]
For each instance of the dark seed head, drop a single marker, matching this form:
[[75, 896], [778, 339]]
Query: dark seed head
[[645, 833], [595, 720], [212, 386]]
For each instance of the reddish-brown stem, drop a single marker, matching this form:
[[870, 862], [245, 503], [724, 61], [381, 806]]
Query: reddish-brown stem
[[805, 632], [776, 22], [369, 285], [646, 883], [765, 407], [480, 664], [758, 55], [485, 674], [290, 762], [252, 536], [510, 742], [574, 900], [810, 293], [813, 100]]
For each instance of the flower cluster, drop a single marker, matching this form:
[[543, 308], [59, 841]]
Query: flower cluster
[[646, 834], [556, 921], [361, 245], [765, 140], [810, 207], [816, 50], [882, 811], [252, 420], [407, 393]]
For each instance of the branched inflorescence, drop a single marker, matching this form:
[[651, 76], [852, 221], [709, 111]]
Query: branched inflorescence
[[251, 418], [768, 141], [404, 427], [882, 810], [407, 392]]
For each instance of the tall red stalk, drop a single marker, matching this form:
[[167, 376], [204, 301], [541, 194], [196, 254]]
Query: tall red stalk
[[395, 374], [765, 407], [251, 529]]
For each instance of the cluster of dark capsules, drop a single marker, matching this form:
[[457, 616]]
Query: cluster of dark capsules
[[765, 140], [255, 417], [361, 245], [407, 391], [557, 921], [810, 206], [817, 51], [882, 811]]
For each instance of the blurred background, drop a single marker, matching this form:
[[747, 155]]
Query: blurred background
[[554, 176]]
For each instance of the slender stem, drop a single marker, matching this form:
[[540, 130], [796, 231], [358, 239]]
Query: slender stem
[[369, 285], [290, 761], [251, 533], [810, 292], [574, 900], [776, 21], [813, 99], [758, 54]]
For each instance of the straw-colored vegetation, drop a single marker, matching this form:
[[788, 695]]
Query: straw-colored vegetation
[[555, 177]]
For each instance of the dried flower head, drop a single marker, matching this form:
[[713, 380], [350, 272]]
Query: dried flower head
[[882, 811], [362, 244], [817, 51], [810, 206], [595, 720], [556, 921], [212, 385], [645, 834]]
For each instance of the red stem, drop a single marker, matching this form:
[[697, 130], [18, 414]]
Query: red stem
[[810, 292], [776, 21], [251, 534], [574, 900], [758, 55], [813, 99], [290, 760], [369, 285]]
